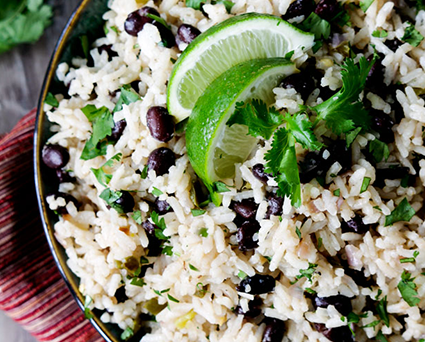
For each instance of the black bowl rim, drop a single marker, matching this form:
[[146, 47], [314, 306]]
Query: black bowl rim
[[48, 229]]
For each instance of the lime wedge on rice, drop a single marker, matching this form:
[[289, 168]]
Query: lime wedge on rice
[[212, 146], [236, 40]]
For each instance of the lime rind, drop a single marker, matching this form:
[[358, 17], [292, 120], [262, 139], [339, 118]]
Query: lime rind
[[207, 130], [238, 39]]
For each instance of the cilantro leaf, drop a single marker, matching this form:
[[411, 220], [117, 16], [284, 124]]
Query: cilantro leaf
[[352, 135], [22, 22], [365, 184], [87, 301], [193, 268], [160, 226], [403, 212], [380, 34], [127, 333], [343, 111], [412, 36], [301, 128], [203, 232], [100, 174], [195, 4], [110, 197], [282, 163], [137, 282], [379, 150], [137, 216], [381, 308], [220, 187], [167, 250], [307, 273], [407, 289], [364, 5], [127, 96], [420, 5], [197, 212], [91, 150], [261, 120], [51, 100], [170, 297], [380, 337], [321, 28]]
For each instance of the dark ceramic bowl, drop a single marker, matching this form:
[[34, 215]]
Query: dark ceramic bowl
[[85, 21]]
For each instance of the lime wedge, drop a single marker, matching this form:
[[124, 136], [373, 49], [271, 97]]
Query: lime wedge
[[236, 40], [212, 146]]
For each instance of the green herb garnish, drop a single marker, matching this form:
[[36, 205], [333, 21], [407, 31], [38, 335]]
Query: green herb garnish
[[100, 174], [365, 184], [407, 289], [403, 212], [203, 232], [412, 36], [127, 333], [198, 212], [87, 313]]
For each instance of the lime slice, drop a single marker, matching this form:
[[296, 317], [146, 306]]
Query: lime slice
[[236, 40], [212, 146]]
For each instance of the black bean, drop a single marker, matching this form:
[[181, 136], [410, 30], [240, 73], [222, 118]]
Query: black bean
[[355, 225], [108, 49], [275, 205], [302, 83], [258, 172], [154, 245], [315, 165], [246, 208], [326, 93], [298, 8], [257, 284], [126, 202], [327, 9], [136, 20], [393, 44], [64, 176], [390, 173], [274, 331], [186, 33], [359, 278], [160, 123], [340, 334], [162, 207], [254, 308], [160, 160], [120, 294], [167, 37], [68, 198], [245, 235], [383, 124], [341, 303], [375, 78], [55, 156], [118, 130], [143, 270]]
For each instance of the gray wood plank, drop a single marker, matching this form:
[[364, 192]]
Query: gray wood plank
[[21, 76]]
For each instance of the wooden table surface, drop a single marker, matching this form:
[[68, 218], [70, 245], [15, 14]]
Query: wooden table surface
[[21, 76]]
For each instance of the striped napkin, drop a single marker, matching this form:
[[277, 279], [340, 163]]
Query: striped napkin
[[32, 291]]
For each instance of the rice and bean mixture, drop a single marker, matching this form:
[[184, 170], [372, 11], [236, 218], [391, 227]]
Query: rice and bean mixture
[[346, 265]]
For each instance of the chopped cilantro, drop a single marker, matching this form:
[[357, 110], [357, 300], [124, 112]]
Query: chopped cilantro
[[170, 297], [380, 337], [173, 60], [344, 111], [87, 313], [319, 243], [195, 4], [198, 212], [365, 184], [200, 290], [407, 289], [407, 260], [159, 20], [307, 273], [371, 324], [289, 55], [102, 177], [381, 308], [127, 333], [405, 181], [220, 187], [167, 250], [102, 121], [110, 197], [321, 28], [282, 163], [193, 268], [160, 226], [378, 294], [412, 36], [309, 290], [51, 100], [298, 231], [143, 260], [203, 232], [144, 173], [227, 4], [379, 150], [380, 34], [365, 4], [351, 136], [337, 192], [377, 208], [156, 192], [137, 282], [127, 96], [242, 275], [115, 29], [137, 216], [403, 212], [420, 6], [354, 318]]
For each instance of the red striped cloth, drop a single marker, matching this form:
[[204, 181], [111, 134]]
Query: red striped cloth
[[32, 291]]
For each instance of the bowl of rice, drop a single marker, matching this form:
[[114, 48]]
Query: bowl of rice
[[305, 226]]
